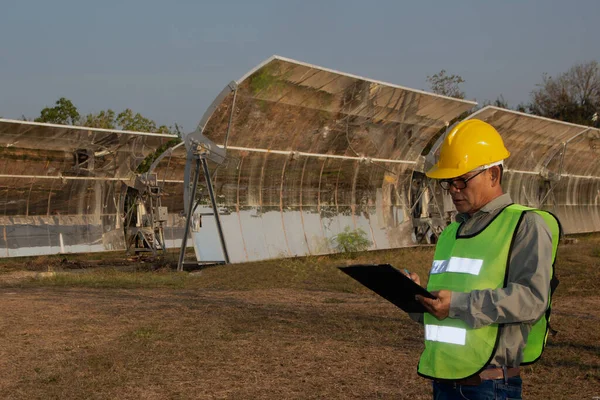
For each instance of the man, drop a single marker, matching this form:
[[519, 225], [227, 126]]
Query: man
[[491, 274]]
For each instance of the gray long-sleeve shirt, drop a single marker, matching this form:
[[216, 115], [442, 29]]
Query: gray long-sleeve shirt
[[524, 299]]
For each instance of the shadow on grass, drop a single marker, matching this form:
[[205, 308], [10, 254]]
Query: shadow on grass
[[594, 349]]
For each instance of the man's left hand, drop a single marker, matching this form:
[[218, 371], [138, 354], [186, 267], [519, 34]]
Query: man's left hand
[[439, 307]]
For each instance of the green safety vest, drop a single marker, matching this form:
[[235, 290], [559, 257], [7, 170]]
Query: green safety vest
[[453, 350]]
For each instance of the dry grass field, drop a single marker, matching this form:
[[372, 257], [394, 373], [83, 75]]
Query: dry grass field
[[286, 329]]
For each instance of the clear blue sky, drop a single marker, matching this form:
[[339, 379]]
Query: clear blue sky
[[169, 59]]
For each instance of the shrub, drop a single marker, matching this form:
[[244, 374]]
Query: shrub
[[350, 241]]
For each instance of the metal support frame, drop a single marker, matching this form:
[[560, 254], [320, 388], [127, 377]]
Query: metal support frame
[[188, 217], [552, 184], [201, 160], [150, 235], [213, 201]]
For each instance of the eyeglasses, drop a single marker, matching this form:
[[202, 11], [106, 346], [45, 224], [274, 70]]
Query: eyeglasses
[[458, 183]]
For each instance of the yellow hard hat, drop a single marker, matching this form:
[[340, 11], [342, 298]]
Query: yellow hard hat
[[469, 145]]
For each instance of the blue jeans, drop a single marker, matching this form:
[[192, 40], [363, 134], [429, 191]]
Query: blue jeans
[[487, 390]]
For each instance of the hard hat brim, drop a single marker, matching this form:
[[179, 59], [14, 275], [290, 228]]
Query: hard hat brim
[[436, 172], [444, 173]]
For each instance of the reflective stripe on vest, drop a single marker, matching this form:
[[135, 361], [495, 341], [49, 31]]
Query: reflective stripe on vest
[[445, 334], [457, 264]]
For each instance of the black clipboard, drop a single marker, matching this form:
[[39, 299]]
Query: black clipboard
[[389, 283]]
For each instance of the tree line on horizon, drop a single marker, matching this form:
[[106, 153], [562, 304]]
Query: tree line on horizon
[[64, 112], [572, 96]]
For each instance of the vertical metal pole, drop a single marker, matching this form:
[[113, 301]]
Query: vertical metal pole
[[230, 118], [188, 217], [213, 201]]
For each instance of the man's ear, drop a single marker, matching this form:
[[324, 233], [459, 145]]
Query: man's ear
[[495, 175]]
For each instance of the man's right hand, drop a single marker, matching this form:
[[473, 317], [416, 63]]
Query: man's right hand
[[413, 276]]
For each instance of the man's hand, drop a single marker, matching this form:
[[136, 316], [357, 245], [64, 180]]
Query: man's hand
[[413, 276], [439, 307]]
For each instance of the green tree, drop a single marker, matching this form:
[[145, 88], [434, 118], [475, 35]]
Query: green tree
[[129, 121], [446, 85], [103, 119], [64, 113], [500, 102], [573, 96], [522, 107]]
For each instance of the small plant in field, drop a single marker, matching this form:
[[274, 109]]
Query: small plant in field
[[144, 333], [351, 240]]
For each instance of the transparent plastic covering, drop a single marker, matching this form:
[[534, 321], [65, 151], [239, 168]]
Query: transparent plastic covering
[[62, 187], [553, 165], [313, 153]]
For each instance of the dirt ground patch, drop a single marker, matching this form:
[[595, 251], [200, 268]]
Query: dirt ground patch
[[278, 330], [206, 344], [160, 344]]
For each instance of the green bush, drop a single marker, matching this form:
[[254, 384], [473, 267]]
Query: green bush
[[351, 240]]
